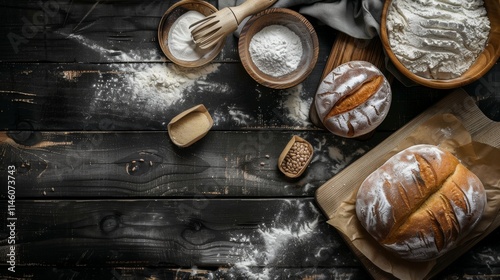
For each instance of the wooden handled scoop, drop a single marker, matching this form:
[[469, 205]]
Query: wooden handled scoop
[[208, 31]]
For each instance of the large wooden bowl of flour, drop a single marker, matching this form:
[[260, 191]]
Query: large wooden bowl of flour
[[487, 56], [278, 48]]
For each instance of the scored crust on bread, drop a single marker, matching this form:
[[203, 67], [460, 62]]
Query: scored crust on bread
[[358, 95], [420, 202], [353, 99]]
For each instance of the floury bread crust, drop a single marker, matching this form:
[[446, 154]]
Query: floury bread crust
[[420, 202], [353, 99]]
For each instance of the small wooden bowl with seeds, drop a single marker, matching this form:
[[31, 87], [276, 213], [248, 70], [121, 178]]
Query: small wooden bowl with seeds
[[295, 157]]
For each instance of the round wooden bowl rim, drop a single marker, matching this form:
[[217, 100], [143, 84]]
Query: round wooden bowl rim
[[262, 78], [492, 46], [164, 47]]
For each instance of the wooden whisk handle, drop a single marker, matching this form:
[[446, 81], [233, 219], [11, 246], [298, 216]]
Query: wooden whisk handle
[[250, 7]]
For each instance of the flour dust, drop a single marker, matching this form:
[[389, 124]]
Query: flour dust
[[297, 105], [150, 86], [144, 55], [338, 156], [238, 116], [291, 109], [146, 87], [294, 236], [143, 85]]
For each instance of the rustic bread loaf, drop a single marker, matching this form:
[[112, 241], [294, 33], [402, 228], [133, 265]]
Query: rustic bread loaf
[[353, 99], [420, 202]]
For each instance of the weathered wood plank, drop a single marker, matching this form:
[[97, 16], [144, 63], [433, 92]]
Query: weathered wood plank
[[200, 273], [201, 232], [486, 92], [123, 164], [221, 237], [146, 96], [143, 96], [126, 273], [484, 256], [97, 31]]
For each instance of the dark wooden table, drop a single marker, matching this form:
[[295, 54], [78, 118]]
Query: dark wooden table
[[102, 193]]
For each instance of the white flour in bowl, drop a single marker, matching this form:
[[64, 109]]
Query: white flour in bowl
[[438, 39], [180, 43], [276, 50]]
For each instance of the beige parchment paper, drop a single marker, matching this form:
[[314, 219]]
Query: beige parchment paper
[[447, 132]]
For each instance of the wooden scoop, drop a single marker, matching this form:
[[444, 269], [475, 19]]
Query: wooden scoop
[[208, 31]]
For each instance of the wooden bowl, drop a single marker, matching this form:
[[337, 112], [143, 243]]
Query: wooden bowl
[[481, 66], [296, 23], [190, 126], [172, 14]]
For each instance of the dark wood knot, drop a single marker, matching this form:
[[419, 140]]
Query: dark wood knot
[[110, 223]]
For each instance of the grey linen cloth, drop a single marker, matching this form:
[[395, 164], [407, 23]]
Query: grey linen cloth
[[357, 18]]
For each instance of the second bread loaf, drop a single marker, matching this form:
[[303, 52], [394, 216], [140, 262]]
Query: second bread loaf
[[420, 203]]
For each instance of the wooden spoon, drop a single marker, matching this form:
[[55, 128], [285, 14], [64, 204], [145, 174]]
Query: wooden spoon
[[208, 31]]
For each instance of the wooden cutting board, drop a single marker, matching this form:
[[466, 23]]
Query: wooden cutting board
[[340, 188], [346, 48]]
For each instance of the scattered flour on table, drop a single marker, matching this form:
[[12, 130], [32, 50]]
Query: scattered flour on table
[[132, 56], [152, 86], [297, 105], [277, 241], [218, 116], [238, 116], [334, 155], [292, 110], [156, 86]]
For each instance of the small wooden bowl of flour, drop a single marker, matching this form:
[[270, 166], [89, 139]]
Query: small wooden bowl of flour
[[278, 48], [174, 35], [449, 46]]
